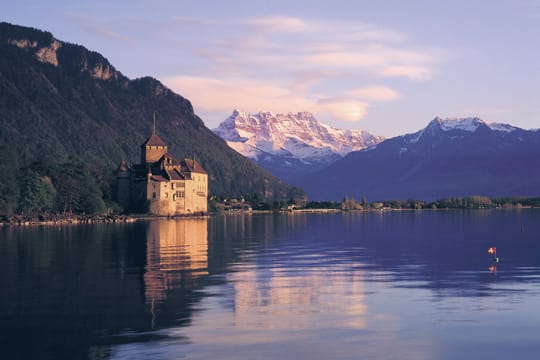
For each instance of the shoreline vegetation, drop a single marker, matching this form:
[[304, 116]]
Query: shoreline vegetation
[[74, 219], [347, 205]]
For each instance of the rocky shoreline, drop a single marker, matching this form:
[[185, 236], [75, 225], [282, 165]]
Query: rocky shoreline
[[68, 219]]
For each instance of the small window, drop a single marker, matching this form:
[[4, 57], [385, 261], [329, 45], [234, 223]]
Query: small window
[[172, 186], [166, 195], [154, 195]]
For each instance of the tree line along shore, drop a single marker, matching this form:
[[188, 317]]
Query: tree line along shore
[[348, 204]]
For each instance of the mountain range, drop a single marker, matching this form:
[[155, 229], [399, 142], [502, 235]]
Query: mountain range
[[454, 157], [60, 101], [290, 145]]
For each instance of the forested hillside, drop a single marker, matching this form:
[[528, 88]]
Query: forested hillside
[[68, 117]]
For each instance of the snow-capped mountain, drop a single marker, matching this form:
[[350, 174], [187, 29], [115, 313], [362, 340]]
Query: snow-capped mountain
[[448, 158], [464, 124], [290, 144]]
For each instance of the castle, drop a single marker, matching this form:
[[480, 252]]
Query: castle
[[161, 184]]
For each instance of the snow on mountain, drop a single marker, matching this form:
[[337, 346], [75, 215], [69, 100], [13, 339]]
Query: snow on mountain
[[298, 136], [465, 124], [451, 124], [502, 127], [455, 157], [471, 124]]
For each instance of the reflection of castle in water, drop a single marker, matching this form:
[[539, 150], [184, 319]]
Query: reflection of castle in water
[[176, 251]]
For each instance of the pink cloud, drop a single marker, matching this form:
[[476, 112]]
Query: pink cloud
[[374, 93], [213, 95]]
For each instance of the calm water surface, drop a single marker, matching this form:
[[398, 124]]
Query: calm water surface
[[389, 285]]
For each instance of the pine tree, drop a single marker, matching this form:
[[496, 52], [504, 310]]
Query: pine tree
[[8, 181]]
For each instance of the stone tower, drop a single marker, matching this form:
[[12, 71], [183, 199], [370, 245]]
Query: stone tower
[[153, 148]]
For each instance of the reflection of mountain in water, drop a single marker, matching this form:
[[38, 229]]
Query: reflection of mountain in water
[[275, 299], [444, 252]]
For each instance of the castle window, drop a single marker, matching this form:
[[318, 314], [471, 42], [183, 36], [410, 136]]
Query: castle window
[[154, 195], [166, 195], [172, 186]]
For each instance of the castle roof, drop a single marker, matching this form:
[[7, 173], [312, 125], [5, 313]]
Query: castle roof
[[168, 175], [191, 165], [154, 140], [176, 175], [168, 156], [159, 178]]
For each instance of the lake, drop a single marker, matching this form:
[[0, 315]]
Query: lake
[[374, 285]]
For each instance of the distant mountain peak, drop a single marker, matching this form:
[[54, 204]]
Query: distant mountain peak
[[237, 112], [298, 134], [290, 143], [453, 157], [466, 124], [470, 124]]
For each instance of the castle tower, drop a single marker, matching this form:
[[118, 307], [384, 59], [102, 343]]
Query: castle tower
[[153, 148]]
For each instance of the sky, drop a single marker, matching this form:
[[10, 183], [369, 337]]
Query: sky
[[386, 66]]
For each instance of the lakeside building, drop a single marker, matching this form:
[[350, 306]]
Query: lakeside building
[[161, 184]]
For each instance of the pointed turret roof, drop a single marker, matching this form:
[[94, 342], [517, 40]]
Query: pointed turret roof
[[154, 140], [168, 156]]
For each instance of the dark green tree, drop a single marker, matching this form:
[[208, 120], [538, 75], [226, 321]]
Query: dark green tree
[[8, 181], [37, 192], [78, 191]]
